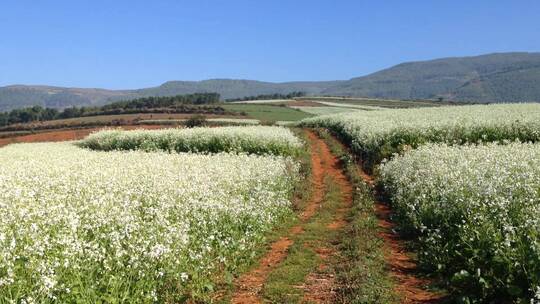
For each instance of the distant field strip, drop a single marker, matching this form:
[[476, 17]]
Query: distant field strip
[[267, 112], [256, 139], [263, 101], [476, 210], [81, 226], [325, 110], [376, 135], [376, 102], [231, 121], [350, 105]]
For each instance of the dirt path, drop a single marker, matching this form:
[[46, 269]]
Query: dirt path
[[320, 286], [410, 287], [249, 285]]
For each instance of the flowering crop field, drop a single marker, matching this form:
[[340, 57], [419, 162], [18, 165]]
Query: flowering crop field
[[83, 226], [251, 139], [376, 135], [477, 212]]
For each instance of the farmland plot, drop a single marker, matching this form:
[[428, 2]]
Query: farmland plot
[[477, 212], [376, 135], [129, 226], [257, 140]]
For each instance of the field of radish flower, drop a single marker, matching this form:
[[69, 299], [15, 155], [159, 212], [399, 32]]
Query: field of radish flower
[[476, 210], [251, 139], [375, 135], [82, 226]]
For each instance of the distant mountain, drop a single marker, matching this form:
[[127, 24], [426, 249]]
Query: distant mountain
[[233, 88], [503, 77], [19, 96]]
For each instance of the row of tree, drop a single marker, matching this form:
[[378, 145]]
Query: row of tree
[[269, 96], [191, 103], [165, 101]]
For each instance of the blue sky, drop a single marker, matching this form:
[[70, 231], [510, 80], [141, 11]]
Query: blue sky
[[133, 44]]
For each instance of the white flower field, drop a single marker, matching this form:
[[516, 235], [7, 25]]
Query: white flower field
[[82, 226], [376, 135], [464, 182], [476, 210], [250, 139]]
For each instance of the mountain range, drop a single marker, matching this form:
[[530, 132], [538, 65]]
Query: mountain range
[[499, 77]]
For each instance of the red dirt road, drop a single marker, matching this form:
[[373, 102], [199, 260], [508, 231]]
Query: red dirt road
[[249, 285], [64, 135]]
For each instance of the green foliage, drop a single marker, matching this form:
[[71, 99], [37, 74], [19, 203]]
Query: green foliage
[[196, 121], [193, 103], [164, 101], [268, 96]]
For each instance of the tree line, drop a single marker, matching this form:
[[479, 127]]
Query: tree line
[[269, 96], [190, 103]]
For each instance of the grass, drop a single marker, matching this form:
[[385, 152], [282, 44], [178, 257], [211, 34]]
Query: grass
[[361, 270], [282, 284], [358, 260], [265, 112]]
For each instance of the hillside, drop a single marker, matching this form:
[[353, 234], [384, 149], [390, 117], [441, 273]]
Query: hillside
[[20, 96], [504, 77], [235, 88]]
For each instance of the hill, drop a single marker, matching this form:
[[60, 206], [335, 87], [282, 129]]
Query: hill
[[20, 96], [503, 77]]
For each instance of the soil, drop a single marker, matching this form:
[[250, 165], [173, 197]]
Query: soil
[[64, 135], [409, 286], [249, 285], [320, 286]]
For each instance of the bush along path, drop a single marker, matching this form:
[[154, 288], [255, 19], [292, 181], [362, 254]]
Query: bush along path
[[334, 253]]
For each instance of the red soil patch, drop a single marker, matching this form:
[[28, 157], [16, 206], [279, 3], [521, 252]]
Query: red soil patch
[[249, 285], [411, 288], [320, 286], [64, 135]]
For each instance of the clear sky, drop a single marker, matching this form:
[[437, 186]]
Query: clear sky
[[131, 44]]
